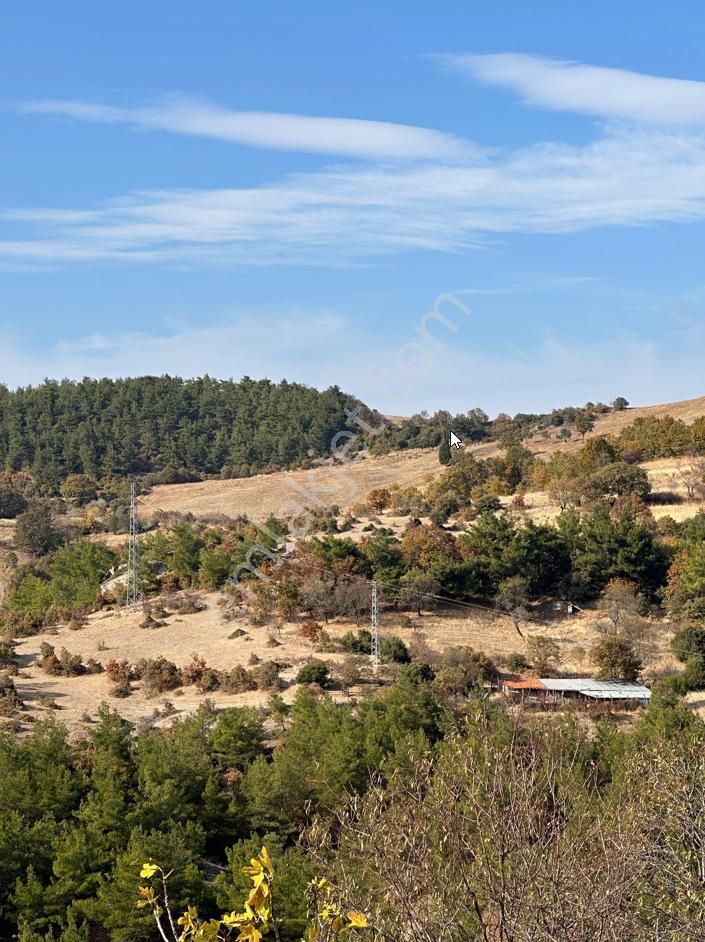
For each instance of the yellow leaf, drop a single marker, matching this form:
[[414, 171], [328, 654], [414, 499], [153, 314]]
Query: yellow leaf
[[189, 917], [148, 870], [208, 931], [236, 919], [266, 861], [357, 920], [258, 900], [249, 934], [255, 868]]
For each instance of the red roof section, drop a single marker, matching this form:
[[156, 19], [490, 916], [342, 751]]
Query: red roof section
[[532, 683]]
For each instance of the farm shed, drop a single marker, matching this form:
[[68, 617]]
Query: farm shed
[[524, 689], [551, 689], [590, 688]]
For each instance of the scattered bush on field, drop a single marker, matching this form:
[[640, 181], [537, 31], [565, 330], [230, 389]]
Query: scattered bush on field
[[159, 675], [315, 672], [266, 676], [10, 701], [8, 658], [238, 680], [392, 648], [310, 631], [209, 680], [63, 665], [360, 643], [353, 671], [187, 604], [193, 672]]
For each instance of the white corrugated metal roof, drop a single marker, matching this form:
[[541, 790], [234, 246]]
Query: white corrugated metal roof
[[568, 683], [598, 689]]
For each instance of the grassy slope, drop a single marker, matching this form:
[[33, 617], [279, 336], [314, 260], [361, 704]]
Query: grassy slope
[[279, 493], [118, 635]]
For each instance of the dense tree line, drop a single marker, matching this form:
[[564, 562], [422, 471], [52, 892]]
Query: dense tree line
[[149, 424], [430, 431], [78, 820], [328, 575], [179, 428], [405, 798], [648, 437]]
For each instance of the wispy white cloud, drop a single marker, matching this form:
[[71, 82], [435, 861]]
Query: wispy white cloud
[[451, 197], [340, 215], [563, 85], [349, 137]]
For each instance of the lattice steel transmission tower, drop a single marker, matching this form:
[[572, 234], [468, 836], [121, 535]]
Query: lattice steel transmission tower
[[375, 627], [133, 594]]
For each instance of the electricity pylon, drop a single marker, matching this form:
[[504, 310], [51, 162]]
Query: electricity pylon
[[133, 594], [375, 627]]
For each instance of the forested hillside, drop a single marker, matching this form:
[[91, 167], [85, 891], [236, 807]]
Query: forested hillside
[[134, 426]]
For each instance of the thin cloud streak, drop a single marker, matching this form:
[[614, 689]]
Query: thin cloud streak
[[350, 214], [562, 85], [450, 197], [349, 137]]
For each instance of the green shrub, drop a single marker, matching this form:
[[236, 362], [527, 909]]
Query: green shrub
[[159, 675], [687, 642], [238, 680], [616, 659], [208, 681], [315, 672], [694, 673], [10, 701], [65, 665], [393, 648], [360, 643], [488, 503], [266, 676], [517, 662]]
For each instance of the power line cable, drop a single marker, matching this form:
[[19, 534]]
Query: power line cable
[[458, 603]]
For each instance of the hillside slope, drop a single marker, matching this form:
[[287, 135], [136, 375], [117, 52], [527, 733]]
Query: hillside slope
[[614, 422], [288, 492]]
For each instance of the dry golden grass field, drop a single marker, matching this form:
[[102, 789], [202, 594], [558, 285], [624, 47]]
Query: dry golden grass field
[[109, 635], [287, 493]]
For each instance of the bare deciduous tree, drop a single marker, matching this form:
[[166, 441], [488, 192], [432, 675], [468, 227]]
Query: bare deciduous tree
[[502, 839], [691, 476]]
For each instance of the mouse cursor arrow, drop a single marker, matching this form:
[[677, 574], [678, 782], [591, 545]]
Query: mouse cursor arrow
[[454, 441]]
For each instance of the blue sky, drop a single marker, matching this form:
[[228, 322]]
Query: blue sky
[[288, 189]]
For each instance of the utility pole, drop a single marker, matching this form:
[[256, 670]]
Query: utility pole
[[375, 627], [133, 594]]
